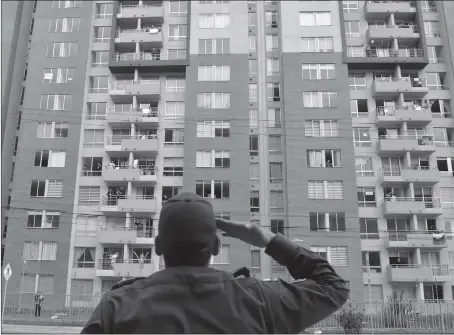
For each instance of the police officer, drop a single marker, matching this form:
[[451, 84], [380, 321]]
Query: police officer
[[190, 297]]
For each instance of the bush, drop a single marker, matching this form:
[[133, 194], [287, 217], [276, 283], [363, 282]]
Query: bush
[[398, 311], [350, 319]]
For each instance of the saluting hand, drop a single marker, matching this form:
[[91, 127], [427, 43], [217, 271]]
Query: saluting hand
[[246, 232]]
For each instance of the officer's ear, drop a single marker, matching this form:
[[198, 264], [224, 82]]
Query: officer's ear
[[216, 246], [158, 245]]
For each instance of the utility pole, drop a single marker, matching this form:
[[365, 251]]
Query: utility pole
[[24, 264]]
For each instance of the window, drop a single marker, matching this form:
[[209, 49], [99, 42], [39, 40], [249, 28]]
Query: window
[[99, 84], [46, 188], [317, 44], [357, 81], [277, 226], [213, 159], [93, 138], [213, 2], [82, 289], [224, 255], [104, 10], [361, 137], [433, 292], [178, 8], [254, 204], [66, 4], [177, 32], [213, 100], [52, 130], [272, 42], [352, 29], [358, 108], [61, 49], [32, 283], [252, 40], [315, 19], [319, 189], [276, 201], [368, 229], [252, 19], [210, 21], [321, 128], [173, 167], [50, 158], [366, 197], [169, 192], [40, 251], [43, 219], [100, 58], [276, 175], [335, 255], [214, 73], [89, 195], [447, 197], [271, 19], [213, 129], [64, 25], [102, 34], [255, 260], [59, 75], [175, 84], [275, 143], [327, 221], [273, 91], [432, 28], [253, 118], [363, 166], [319, 71], [324, 158], [254, 171], [252, 67], [97, 110], [350, 6], [92, 166], [253, 145], [274, 117], [272, 66], [174, 136], [253, 93], [174, 110], [56, 102], [320, 99], [446, 164], [434, 81], [216, 46], [214, 189]]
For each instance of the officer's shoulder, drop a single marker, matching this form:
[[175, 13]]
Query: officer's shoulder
[[126, 282]]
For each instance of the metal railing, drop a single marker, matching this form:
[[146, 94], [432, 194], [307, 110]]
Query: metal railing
[[145, 112], [140, 232], [430, 202], [112, 201], [122, 6], [413, 26], [395, 172], [137, 30], [386, 53], [437, 270], [116, 139], [439, 143], [162, 55], [435, 60], [438, 87], [121, 85], [422, 139], [408, 316], [144, 169], [415, 82]]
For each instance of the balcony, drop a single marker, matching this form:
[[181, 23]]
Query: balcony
[[125, 268], [417, 273], [417, 174], [387, 58], [400, 144], [124, 235], [148, 61], [412, 114], [383, 33], [151, 12], [376, 10], [391, 88], [145, 144], [146, 116], [415, 239], [122, 91], [140, 174], [406, 206], [138, 204], [148, 37]]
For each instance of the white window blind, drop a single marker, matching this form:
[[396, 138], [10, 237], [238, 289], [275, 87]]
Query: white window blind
[[55, 189], [224, 255], [57, 158], [321, 128], [338, 256], [89, 195], [373, 293], [214, 73], [318, 189]]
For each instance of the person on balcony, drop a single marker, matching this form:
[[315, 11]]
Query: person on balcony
[[190, 297]]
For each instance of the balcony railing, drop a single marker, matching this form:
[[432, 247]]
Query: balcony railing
[[414, 27], [439, 143], [116, 139], [151, 30], [122, 6], [113, 200], [387, 53], [163, 55], [140, 232], [145, 170], [415, 82], [437, 270], [430, 202], [435, 60], [391, 110], [422, 139], [146, 112], [120, 85], [396, 172], [438, 87]]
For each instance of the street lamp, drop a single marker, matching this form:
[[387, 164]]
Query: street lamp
[[24, 264]]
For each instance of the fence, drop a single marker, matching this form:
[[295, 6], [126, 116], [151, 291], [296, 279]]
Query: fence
[[404, 316]]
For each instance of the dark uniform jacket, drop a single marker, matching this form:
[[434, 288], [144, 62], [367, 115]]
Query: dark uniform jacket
[[205, 300]]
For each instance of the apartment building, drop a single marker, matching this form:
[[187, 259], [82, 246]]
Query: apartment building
[[126, 103]]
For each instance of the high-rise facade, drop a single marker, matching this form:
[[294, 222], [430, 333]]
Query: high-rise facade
[[115, 106]]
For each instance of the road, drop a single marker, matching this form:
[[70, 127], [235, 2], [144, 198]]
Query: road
[[21, 329]]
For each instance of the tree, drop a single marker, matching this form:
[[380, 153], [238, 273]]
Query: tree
[[398, 310], [350, 319]]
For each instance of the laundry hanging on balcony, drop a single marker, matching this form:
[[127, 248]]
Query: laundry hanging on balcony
[[439, 238]]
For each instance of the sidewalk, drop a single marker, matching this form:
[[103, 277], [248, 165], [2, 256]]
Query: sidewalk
[[22, 329]]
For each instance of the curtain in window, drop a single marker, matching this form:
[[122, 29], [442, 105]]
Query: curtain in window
[[57, 159], [29, 283], [338, 256], [31, 251], [46, 284], [315, 158], [49, 251]]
